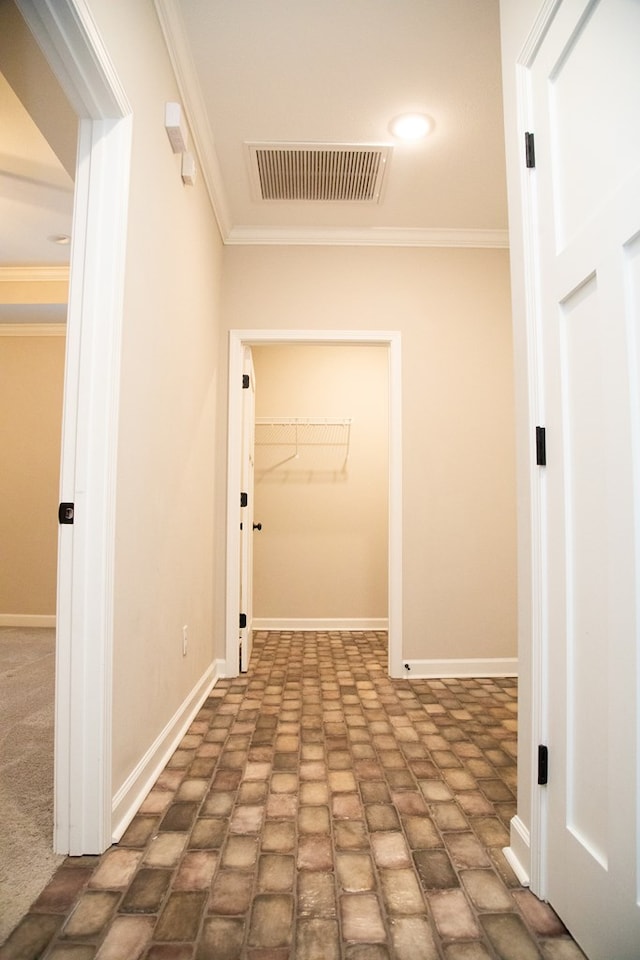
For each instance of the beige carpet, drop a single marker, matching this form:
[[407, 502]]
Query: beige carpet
[[27, 861]]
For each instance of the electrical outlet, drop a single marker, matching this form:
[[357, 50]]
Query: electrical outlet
[[185, 640]]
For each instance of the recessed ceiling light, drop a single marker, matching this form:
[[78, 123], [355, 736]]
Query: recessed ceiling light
[[411, 126], [61, 238]]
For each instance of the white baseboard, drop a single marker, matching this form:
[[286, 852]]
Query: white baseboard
[[129, 797], [483, 667], [518, 855], [27, 620], [356, 623]]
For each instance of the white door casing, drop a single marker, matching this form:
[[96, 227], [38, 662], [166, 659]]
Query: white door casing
[[582, 90], [73, 48], [238, 340], [247, 512]]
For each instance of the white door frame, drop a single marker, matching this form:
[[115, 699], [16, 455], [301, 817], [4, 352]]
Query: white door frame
[[246, 513], [530, 847], [69, 39], [238, 340]]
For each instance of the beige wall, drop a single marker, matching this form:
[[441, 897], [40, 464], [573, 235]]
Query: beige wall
[[31, 378], [165, 534], [322, 552], [32, 291], [452, 308]]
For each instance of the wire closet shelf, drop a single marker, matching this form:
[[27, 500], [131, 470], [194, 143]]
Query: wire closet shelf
[[300, 432]]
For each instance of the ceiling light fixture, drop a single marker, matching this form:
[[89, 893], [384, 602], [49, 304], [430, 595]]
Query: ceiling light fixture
[[411, 126]]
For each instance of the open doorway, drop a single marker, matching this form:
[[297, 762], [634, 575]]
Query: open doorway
[[321, 489], [239, 340], [73, 51], [38, 142], [38, 148], [30, 412]]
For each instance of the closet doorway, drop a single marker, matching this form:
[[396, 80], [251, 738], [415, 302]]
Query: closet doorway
[[328, 555]]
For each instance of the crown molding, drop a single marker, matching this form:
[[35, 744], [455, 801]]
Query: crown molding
[[34, 274], [70, 40], [175, 39], [369, 236]]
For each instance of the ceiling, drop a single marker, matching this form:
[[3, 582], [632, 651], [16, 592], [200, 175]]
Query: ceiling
[[337, 72], [305, 72], [36, 192], [36, 208], [38, 132]]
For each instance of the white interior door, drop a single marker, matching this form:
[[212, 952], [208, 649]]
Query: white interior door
[[585, 98], [246, 509]]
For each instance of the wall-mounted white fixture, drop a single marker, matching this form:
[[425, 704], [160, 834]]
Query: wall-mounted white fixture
[[411, 126], [189, 169], [176, 127]]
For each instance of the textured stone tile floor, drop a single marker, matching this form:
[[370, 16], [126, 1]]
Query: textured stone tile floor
[[315, 810]]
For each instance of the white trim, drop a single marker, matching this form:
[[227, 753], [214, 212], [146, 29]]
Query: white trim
[[33, 329], [35, 274], [27, 620], [238, 339], [536, 617], [396, 516], [69, 38], [356, 624], [368, 236], [86, 549], [482, 667], [518, 855], [173, 29], [538, 32], [535, 536], [178, 47], [128, 798]]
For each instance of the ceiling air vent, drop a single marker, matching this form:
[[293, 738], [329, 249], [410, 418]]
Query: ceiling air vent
[[318, 171]]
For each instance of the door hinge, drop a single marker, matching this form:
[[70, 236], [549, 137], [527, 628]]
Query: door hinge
[[541, 446], [245, 381], [543, 765], [66, 512], [530, 150], [243, 621], [244, 499]]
